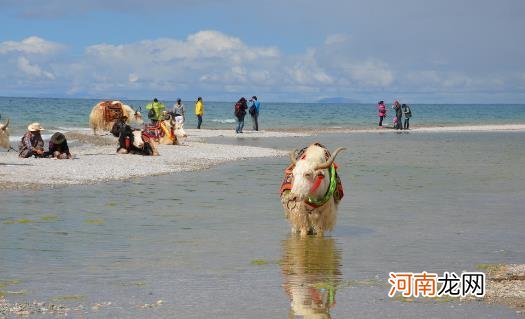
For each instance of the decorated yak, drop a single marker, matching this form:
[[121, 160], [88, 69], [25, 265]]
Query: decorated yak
[[4, 135], [311, 273], [311, 190], [105, 113], [133, 141], [165, 131]]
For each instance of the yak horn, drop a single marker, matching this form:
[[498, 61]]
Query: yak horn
[[329, 162], [3, 127], [292, 156]]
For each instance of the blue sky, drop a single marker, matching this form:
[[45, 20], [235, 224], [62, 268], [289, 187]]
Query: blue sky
[[420, 51]]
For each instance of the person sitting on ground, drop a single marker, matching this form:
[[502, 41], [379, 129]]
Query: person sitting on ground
[[32, 143], [58, 147]]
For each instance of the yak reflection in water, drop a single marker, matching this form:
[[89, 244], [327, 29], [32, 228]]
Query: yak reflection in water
[[311, 274]]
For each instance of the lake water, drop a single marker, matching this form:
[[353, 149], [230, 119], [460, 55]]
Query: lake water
[[67, 114], [215, 243]]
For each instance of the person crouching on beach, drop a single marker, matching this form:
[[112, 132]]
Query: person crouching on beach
[[240, 113], [199, 111], [32, 143], [381, 112], [58, 147]]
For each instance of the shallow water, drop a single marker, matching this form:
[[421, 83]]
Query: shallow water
[[215, 242]]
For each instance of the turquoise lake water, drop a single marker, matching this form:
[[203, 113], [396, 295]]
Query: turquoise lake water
[[64, 114]]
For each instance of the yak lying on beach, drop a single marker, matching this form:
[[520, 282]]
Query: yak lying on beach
[[311, 190], [133, 141], [105, 113], [166, 132], [4, 135]]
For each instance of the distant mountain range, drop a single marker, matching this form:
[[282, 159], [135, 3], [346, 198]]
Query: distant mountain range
[[337, 100]]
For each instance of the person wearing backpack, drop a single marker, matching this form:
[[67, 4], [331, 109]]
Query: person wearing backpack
[[408, 114], [255, 106], [240, 113], [381, 112], [155, 110]]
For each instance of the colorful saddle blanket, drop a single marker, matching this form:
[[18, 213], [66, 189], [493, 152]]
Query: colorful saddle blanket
[[158, 130], [112, 110]]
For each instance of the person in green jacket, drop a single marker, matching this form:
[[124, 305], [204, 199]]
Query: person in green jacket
[[157, 108]]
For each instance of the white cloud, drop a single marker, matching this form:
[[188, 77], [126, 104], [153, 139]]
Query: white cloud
[[211, 62], [132, 77], [335, 39], [33, 70], [31, 45]]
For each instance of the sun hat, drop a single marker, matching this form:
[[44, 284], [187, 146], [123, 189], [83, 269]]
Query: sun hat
[[33, 127], [57, 138]]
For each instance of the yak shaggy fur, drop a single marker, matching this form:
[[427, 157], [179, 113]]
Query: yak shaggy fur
[[303, 217], [4, 135], [98, 122]]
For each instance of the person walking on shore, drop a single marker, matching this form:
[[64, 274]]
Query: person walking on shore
[[255, 107], [408, 114], [155, 109], [381, 112], [178, 112], [32, 143], [399, 114], [240, 113], [199, 111]]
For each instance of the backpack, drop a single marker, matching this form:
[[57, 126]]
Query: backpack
[[238, 109], [407, 111]]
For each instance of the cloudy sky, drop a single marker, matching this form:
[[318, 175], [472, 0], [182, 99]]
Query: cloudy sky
[[467, 51]]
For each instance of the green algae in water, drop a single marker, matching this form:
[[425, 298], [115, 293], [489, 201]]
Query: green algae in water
[[136, 283], [4, 293], [259, 262], [95, 221], [49, 218], [403, 299], [489, 268], [18, 221], [67, 298], [9, 282]]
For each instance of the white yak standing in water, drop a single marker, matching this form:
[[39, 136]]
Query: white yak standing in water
[[4, 135], [311, 190]]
